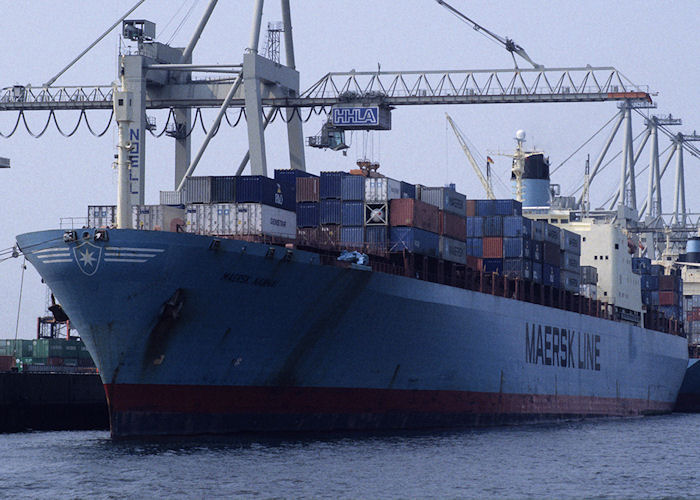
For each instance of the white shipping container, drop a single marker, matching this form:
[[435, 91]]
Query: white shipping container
[[453, 250], [381, 189], [589, 290], [172, 197], [226, 218], [102, 215], [200, 219], [157, 218], [259, 219]]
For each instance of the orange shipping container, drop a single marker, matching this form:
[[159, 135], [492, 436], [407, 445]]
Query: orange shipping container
[[452, 225], [475, 263], [413, 213], [667, 298], [493, 248], [307, 189], [471, 208]]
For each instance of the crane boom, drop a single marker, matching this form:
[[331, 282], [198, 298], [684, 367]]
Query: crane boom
[[465, 148], [507, 43]]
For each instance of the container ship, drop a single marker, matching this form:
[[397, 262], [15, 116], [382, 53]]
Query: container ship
[[352, 301]]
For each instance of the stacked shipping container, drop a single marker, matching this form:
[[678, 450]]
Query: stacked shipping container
[[500, 239], [659, 290], [46, 352]]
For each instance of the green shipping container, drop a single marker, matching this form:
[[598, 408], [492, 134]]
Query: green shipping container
[[83, 352], [19, 347], [49, 348]]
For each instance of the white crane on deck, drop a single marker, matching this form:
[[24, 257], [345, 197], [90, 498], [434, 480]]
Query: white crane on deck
[[485, 181]]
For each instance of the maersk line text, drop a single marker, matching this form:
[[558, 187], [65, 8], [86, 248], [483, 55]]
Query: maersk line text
[[553, 346]]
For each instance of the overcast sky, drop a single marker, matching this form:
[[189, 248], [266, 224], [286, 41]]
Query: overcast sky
[[652, 43]]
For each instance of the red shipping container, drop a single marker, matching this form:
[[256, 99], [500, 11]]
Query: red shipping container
[[475, 263], [6, 363], [307, 189], [667, 298], [414, 213], [307, 236], [452, 225], [329, 235], [667, 283], [493, 247], [471, 208]]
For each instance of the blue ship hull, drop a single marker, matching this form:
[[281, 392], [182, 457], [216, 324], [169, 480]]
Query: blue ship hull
[[192, 336]]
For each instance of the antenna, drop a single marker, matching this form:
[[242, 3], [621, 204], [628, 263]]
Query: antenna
[[272, 48]]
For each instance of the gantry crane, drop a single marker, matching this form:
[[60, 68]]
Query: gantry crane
[[157, 76]]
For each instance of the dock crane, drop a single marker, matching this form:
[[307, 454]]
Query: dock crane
[[485, 181], [154, 75]]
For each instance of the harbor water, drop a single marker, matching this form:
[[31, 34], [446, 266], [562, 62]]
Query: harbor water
[[649, 457]]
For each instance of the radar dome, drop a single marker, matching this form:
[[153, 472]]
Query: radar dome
[[520, 135]]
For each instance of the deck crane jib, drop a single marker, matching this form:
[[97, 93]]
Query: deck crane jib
[[485, 181], [507, 43]]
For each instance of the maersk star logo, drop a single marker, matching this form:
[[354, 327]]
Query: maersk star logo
[[87, 256]]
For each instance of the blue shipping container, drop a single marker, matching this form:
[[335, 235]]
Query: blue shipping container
[[408, 190], [331, 212], [352, 187], [493, 265], [641, 265], [289, 175], [475, 227], [551, 275], [352, 236], [537, 230], [493, 226], [516, 247], [308, 214], [671, 311], [537, 272], [376, 236], [552, 234], [223, 189], [507, 207], [646, 297], [516, 226], [353, 213], [517, 268], [330, 185], [261, 189], [485, 207], [414, 240], [475, 247], [537, 250]]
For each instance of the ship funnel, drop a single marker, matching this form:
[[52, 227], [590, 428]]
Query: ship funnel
[[692, 250], [535, 180]]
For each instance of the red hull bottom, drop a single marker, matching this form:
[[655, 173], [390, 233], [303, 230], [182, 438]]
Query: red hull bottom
[[146, 410]]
